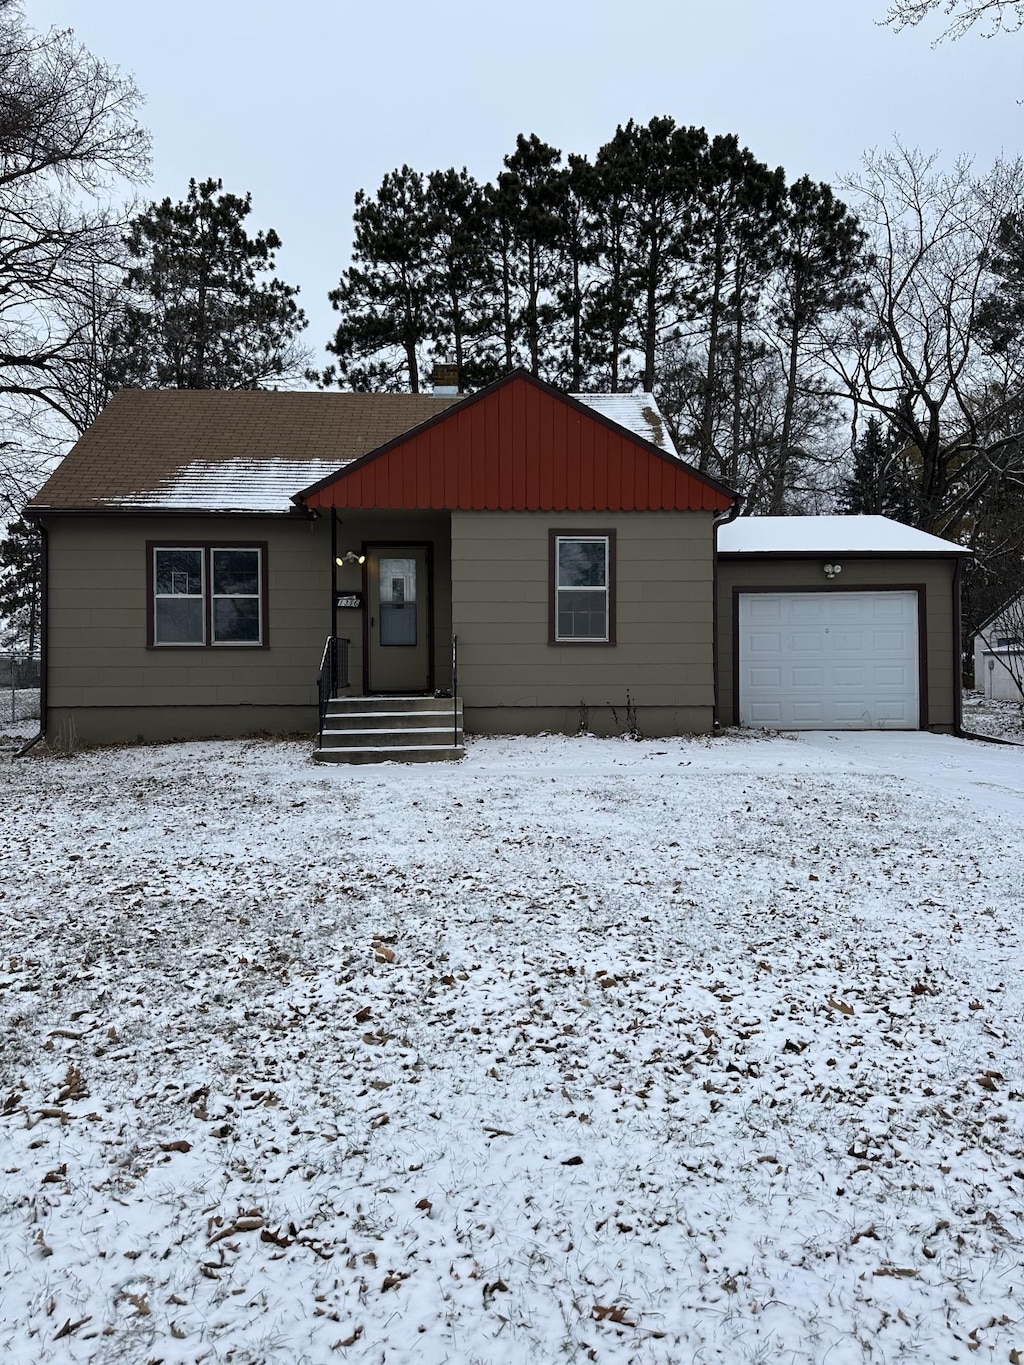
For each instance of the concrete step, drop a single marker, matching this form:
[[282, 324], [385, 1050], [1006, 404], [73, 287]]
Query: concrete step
[[390, 720], [423, 753], [414, 729], [352, 737], [394, 705]]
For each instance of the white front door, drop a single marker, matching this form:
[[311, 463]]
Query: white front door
[[829, 660]]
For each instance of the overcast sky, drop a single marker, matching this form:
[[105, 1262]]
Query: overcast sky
[[304, 103]]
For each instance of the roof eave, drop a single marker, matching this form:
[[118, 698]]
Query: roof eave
[[953, 552], [36, 510]]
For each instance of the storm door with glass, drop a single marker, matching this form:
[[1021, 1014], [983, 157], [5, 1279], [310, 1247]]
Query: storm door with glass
[[398, 618]]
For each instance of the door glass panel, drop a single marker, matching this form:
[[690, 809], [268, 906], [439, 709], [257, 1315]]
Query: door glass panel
[[397, 580]]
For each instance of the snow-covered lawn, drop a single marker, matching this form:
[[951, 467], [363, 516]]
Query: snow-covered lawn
[[989, 716], [677, 1051]]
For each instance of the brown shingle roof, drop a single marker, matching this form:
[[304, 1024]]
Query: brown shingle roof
[[216, 450]]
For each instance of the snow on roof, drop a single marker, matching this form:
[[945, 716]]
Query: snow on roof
[[243, 485], [251, 451], [829, 535], [637, 412]]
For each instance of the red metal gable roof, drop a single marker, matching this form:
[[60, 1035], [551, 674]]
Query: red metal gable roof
[[520, 446]]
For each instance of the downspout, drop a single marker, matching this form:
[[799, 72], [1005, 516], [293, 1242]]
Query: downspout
[[958, 690], [44, 620], [958, 681], [731, 515]]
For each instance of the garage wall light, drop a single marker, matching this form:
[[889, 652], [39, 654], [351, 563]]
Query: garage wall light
[[831, 570], [350, 557]]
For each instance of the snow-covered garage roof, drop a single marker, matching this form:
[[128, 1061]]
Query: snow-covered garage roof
[[829, 536]]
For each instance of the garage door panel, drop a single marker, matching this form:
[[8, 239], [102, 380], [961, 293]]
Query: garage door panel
[[892, 675], [851, 714], [766, 677], [766, 610], [890, 642], [807, 677], [896, 713], [854, 642], [809, 713], [894, 606], [837, 660], [810, 609], [805, 642], [766, 713]]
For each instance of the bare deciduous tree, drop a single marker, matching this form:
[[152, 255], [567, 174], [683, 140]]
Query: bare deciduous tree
[[914, 354], [996, 16], [68, 136]]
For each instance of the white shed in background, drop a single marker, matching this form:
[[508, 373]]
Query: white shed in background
[[999, 653]]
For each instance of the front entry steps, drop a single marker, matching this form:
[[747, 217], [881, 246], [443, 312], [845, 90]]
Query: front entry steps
[[391, 730]]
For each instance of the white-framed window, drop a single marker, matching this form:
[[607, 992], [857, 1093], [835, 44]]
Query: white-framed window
[[179, 595], [207, 595], [583, 571], [236, 595]]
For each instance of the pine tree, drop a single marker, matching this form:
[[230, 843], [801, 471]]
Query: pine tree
[[21, 573], [879, 483], [527, 204], [202, 314], [608, 323], [577, 254], [385, 298], [461, 280], [651, 174], [731, 242], [818, 274]]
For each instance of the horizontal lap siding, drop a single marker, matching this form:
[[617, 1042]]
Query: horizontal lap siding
[[97, 623], [500, 593], [936, 575]]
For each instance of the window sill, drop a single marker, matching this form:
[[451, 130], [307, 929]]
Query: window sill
[[204, 649]]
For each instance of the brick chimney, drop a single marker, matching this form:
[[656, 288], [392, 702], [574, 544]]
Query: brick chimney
[[445, 380]]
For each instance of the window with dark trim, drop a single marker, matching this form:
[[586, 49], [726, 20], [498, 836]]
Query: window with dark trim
[[207, 595], [582, 570]]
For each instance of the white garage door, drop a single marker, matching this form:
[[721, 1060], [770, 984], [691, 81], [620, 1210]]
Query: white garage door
[[829, 660]]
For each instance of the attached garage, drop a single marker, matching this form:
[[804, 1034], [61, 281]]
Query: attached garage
[[837, 623]]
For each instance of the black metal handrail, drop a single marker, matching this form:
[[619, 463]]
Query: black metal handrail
[[333, 674], [455, 691]]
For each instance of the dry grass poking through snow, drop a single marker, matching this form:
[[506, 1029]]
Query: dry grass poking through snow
[[582, 1050]]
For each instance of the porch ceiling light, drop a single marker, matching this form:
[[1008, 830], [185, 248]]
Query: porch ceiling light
[[350, 557]]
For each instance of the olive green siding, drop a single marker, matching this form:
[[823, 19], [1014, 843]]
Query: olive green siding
[[104, 679], [106, 685], [936, 576], [511, 679]]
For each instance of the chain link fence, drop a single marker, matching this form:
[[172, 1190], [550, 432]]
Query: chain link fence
[[19, 687]]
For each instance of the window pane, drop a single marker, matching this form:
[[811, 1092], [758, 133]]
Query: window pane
[[236, 619], [236, 573], [397, 578], [581, 563], [178, 621], [582, 615], [179, 572]]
